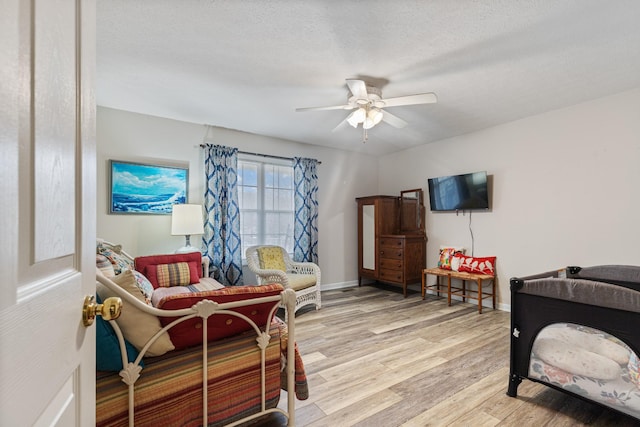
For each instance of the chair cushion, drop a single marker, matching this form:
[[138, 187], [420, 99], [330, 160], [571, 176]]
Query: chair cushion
[[301, 281], [271, 258]]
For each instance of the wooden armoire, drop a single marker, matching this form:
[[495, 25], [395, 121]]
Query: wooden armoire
[[392, 243]]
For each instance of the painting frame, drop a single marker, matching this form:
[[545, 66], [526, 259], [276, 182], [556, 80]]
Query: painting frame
[[140, 188]]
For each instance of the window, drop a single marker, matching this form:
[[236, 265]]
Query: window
[[265, 194]]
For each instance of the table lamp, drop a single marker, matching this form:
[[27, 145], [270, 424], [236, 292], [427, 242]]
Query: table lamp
[[187, 220]]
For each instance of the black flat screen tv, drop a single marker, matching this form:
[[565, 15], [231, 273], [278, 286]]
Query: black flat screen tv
[[459, 192]]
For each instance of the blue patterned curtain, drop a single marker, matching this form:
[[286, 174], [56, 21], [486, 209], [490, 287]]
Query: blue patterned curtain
[[305, 229], [222, 226]]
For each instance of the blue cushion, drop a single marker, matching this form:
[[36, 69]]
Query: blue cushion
[[107, 348]]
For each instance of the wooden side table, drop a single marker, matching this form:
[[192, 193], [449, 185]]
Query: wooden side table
[[464, 292]]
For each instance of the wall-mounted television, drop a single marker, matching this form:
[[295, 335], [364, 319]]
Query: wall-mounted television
[[459, 192]]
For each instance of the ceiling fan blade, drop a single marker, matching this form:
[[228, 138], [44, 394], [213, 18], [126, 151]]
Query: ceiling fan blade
[[343, 124], [358, 88], [422, 98], [394, 121], [332, 107]]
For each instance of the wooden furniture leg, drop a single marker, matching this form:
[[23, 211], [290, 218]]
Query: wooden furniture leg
[[464, 290], [424, 279], [449, 290], [479, 296], [493, 284]]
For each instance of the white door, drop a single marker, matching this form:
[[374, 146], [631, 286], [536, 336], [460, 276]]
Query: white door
[[47, 203]]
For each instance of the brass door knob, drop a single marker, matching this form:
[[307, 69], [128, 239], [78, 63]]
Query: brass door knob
[[110, 309]]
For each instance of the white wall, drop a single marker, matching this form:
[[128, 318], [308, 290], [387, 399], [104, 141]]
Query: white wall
[[343, 176], [565, 188]]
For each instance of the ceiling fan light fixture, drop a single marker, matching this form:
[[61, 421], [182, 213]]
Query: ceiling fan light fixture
[[358, 116], [376, 115], [367, 104]]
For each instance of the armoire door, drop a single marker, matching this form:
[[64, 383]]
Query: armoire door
[[377, 215], [367, 244], [47, 197]]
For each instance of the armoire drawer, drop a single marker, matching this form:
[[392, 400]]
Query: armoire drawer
[[391, 242], [391, 275], [391, 253], [391, 264]]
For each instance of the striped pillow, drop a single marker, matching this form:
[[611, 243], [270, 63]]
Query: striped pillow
[[177, 274]]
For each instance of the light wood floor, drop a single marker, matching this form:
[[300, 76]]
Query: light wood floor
[[374, 358]]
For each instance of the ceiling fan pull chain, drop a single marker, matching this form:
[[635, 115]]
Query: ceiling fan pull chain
[[365, 135]]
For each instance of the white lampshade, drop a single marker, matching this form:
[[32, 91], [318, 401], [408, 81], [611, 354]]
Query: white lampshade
[[187, 220], [374, 116], [358, 116]]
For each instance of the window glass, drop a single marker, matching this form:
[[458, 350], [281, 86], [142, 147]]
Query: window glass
[[265, 193]]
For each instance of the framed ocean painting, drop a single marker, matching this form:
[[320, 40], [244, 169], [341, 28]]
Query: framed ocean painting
[[139, 188]]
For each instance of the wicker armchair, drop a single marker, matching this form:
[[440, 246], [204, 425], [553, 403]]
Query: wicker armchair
[[302, 277]]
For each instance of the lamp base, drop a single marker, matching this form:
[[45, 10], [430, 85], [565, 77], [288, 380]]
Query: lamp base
[[187, 249]]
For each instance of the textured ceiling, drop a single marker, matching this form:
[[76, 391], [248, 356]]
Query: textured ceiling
[[248, 64]]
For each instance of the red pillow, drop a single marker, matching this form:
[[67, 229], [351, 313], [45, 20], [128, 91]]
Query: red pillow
[[147, 265], [189, 332], [477, 265]]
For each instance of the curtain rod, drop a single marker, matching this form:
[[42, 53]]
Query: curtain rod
[[271, 156]]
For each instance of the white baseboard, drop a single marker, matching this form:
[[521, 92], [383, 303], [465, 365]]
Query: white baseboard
[[354, 283], [485, 303], [339, 285]]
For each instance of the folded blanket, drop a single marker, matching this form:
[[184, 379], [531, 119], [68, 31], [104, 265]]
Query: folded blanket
[[302, 388]]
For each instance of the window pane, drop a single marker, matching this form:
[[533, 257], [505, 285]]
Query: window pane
[[268, 176], [248, 173], [286, 223], [271, 239], [249, 222], [271, 223], [249, 240], [266, 204], [268, 199], [249, 198], [285, 177], [285, 200]]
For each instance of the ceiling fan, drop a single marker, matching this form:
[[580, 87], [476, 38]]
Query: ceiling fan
[[367, 104]]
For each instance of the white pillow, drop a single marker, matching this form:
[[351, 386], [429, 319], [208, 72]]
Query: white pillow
[[137, 326], [591, 342], [575, 360], [455, 263]]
